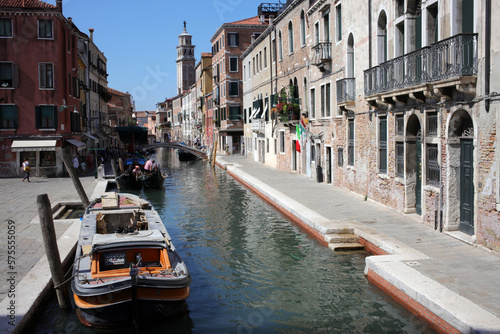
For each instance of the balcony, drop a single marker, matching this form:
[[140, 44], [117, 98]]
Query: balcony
[[258, 125], [444, 61], [322, 55], [346, 92]]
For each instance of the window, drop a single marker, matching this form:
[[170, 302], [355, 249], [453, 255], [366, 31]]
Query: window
[[233, 88], [5, 27], [338, 17], [233, 64], [316, 33], [273, 49], [432, 165], [234, 113], [45, 29], [325, 100], [8, 75], [432, 124], [232, 39], [46, 117], [290, 37], [267, 145], [260, 61], [282, 141], [400, 125], [302, 29], [350, 148], [382, 145], [313, 103], [400, 159], [280, 47], [46, 75], [8, 116], [265, 57], [340, 156], [313, 152], [47, 158]]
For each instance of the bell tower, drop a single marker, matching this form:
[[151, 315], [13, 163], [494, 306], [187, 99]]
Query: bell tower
[[185, 62]]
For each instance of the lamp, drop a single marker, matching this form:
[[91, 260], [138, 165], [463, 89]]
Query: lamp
[[75, 111]]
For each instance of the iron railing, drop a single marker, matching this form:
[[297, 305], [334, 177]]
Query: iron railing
[[346, 90], [322, 52], [452, 57]]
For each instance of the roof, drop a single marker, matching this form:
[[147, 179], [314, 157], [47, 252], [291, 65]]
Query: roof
[[206, 54], [251, 20], [26, 4]]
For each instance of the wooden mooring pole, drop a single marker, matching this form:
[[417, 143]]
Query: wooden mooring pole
[[52, 251], [115, 172], [74, 177], [214, 154]]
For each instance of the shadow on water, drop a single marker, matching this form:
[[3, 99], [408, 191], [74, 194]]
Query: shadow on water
[[253, 271]]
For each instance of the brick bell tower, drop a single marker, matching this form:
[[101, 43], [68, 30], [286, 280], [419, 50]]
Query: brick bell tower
[[185, 62]]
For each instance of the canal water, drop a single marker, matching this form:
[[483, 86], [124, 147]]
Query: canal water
[[253, 270]]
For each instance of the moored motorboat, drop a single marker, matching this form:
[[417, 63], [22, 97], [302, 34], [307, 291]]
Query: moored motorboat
[[126, 269]]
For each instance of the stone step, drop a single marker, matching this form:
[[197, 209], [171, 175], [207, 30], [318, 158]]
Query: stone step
[[335, 238], [346, 246]]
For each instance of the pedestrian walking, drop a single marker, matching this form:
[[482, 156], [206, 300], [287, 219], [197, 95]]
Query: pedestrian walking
[[26, 169], [83, 166]]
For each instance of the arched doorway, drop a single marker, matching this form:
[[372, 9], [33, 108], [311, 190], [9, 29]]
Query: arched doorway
[[460, 172], [413, 188]]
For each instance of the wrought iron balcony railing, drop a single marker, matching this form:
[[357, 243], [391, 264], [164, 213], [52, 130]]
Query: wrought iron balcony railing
[[322, 52], [452, 57], [346, 90]]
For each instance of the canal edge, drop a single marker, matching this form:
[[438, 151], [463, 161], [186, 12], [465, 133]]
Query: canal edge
[[35, 287], [389, 268]]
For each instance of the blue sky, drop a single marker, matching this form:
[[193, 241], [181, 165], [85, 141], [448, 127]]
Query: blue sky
[[139, 38]]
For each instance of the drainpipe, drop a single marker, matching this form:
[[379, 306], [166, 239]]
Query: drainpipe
[[369, 33], [487, 58]]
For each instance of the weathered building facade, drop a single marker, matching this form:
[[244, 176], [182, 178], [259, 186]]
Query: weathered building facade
[[402, 110]]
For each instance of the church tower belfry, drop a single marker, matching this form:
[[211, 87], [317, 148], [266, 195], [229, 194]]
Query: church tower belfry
[[185, 62]]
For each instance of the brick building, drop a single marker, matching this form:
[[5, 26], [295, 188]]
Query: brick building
[[39, 87], [228, 44], [402, 110]]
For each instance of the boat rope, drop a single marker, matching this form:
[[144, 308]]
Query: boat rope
[[66, 281]]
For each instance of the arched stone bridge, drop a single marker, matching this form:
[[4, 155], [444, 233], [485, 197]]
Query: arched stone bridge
[[199, 153]]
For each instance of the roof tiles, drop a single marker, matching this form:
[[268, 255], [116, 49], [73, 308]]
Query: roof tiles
[[26, 4]]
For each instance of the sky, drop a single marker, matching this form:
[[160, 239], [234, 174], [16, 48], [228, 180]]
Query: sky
[[139, 38]]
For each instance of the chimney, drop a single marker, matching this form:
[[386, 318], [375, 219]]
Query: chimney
[[59, 5], [91, 30], [271, 19]]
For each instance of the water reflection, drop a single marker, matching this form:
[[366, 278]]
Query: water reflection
[[253, 271]]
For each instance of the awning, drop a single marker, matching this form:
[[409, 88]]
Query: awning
[[79, 145], [95, 139], [255, 113], [33, 145]]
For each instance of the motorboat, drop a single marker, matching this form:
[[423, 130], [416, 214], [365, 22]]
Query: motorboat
[[126, 270]]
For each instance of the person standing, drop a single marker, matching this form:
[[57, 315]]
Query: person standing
[[26, 169], [76, 164]]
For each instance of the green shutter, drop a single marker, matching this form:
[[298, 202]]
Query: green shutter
[[15, 116], [38, 117], [467, 16], [54, 112]]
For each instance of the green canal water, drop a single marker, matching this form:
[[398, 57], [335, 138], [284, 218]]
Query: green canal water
[[253, 270]]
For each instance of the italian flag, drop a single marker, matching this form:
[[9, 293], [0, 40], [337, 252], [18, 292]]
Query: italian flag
[[300, 130]]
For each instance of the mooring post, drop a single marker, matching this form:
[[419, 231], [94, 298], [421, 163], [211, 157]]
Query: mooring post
[[52, 251], [115, 172], [74, 177]]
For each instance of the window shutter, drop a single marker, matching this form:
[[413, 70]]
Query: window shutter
[[38, 117], [237, 39], [54, 111], [15, 76], [15, 117]]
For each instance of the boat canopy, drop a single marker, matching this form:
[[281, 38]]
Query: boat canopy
[[138, 238]]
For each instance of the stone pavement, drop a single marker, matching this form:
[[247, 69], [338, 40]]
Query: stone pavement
[[18, 203], [453, 281]]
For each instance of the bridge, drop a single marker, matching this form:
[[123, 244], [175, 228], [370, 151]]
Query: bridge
[[199, 153]]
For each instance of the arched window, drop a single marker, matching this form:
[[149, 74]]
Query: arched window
[[382, 38], [302, 28], [290, 37]]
